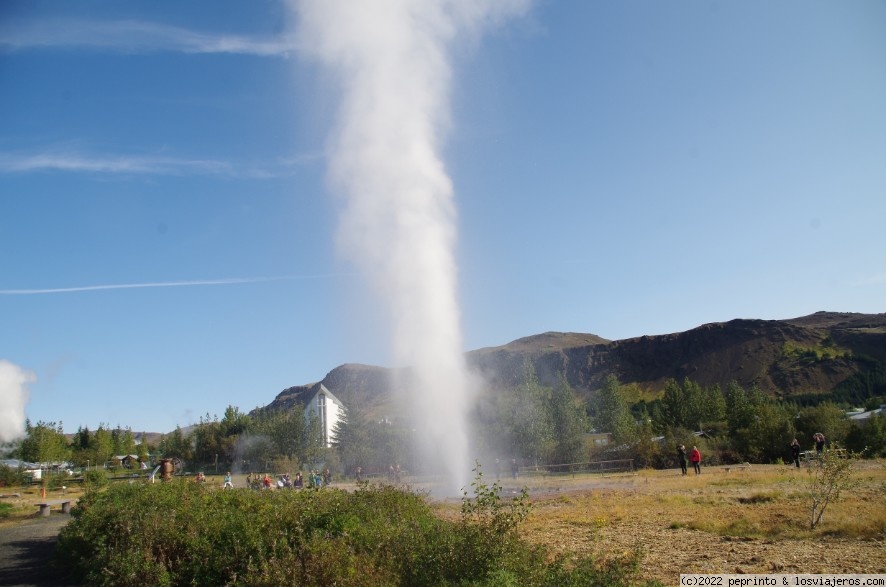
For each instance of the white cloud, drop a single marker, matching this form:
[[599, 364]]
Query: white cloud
[[229, 281], [133, 36], [137, 165]]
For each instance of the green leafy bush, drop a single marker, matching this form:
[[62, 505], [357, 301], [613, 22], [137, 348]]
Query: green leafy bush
[[54, 482], [180, 533], [95, 479], [831, 476], [10, 477]]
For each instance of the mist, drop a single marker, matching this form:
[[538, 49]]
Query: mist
[[13, 397], [391, 63]]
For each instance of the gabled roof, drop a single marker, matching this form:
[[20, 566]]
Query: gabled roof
[[322, 389]]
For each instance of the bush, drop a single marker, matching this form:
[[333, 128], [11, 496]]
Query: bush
[[56, 481], [95, 479], [180, 533], [10, 477], [830, 477]]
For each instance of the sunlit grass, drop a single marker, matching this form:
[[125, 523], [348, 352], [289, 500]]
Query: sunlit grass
[[21, 502], [762, 502]]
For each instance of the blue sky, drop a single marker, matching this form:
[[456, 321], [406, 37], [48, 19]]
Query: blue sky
[[619, 168]]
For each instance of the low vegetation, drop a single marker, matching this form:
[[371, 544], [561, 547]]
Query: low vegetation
[[752, 521], [828, 478], [181, 533]]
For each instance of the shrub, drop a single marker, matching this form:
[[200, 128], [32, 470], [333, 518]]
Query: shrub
[[10, 477], [181, 533], [54, 482], [827, 480], [95, 479]]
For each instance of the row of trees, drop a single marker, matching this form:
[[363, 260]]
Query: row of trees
[[550, 425], [250, 443], [735, 425], [46, 442], [536, 424]]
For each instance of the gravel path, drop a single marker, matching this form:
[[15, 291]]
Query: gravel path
[[26, 552]]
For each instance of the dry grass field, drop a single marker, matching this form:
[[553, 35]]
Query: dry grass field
[[742, 521], [20, 502]]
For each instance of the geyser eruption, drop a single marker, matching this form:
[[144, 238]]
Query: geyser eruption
[[391, 60], [13, 397]]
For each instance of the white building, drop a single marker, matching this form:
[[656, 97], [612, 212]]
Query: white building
[[862, 417], [328, 410]]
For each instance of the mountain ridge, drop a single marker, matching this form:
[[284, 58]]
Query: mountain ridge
[[788, 358]]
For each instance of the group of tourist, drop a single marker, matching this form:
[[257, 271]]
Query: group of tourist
[[694, 455], [694, 458], [313, 480], [818, 438]]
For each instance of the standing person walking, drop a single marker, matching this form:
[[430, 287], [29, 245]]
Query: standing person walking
[[695, 457], [795, 452], [681, 457], [819, 442]]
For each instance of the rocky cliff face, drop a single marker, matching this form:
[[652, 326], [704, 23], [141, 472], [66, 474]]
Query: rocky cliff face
[[356, 385], [808, 355]]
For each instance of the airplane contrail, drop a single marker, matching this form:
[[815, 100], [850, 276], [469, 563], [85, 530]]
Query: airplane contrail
[[230, 281]]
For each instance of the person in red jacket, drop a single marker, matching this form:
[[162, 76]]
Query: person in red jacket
[[695, 459]]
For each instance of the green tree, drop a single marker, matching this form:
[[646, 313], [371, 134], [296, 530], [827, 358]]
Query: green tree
[[373, 445], [688, 405], [44, 443], [123, 441], [80, 451], [286, 430], [645, 450], [142, 449], [215, 441], [768, 435], [868, 438], [739, 411], [675, 407], [283, 434], [176, 444], [568, 422], [613, 414], [529, 418], [234, 422], [713, 405], [742, 406], [102, 444], [81, 439], [207, 441], [826, 418]]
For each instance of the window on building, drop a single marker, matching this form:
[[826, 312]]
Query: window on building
[[321, 413]]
